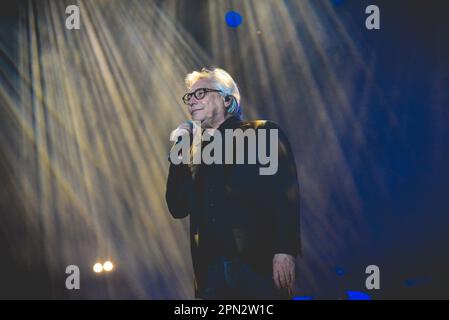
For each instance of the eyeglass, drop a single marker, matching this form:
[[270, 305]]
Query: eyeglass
[[199, 94]]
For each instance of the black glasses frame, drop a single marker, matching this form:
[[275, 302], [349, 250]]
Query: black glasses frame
[[187, 96]]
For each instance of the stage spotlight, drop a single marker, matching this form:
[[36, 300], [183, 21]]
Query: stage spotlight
[[358, 295], [108, 266], [233, 19], [98, 267]]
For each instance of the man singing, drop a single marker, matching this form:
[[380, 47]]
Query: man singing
[[244, 225]]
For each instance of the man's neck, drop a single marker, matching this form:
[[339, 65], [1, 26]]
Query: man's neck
[[216, 123]]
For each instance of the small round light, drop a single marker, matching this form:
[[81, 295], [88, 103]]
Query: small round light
[[233, 19], [98, 267], [108, 266]]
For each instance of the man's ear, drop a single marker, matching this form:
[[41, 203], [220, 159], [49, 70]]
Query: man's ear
[[228, 101]]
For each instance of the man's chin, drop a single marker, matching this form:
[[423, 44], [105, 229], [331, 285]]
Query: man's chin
[[197, 119]]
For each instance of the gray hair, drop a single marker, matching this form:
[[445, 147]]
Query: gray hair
[[221, 80]]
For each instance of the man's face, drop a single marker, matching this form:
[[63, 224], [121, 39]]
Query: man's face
[[208, 108]]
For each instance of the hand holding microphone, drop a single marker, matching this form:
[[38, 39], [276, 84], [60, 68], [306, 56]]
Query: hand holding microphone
[[189, 128], [184, 128]]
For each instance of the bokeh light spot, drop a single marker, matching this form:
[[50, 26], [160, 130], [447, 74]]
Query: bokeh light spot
[[233, 19]]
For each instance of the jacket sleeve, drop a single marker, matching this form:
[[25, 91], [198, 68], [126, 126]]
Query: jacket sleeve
[[179, 190], [285, 190]]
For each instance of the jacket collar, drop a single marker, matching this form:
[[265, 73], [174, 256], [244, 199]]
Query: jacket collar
[[230, 123]]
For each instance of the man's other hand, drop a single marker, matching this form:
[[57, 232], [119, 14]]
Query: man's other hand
[[284, 271]]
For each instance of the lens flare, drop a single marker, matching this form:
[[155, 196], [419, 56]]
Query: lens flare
[[108, 266], [98, 267]]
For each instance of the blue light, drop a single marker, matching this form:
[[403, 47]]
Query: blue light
[[357, 295], [417, 281], [233, 19], [340, 271], [302, 298]]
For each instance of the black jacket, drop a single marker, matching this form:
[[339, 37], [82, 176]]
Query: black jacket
[[236, 212]]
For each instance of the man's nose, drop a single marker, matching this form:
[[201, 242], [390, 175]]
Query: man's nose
[[193, 101]]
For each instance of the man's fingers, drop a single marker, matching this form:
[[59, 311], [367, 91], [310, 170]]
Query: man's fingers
[[276, 279], [292, 275], [282, 278], [185, 127]]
